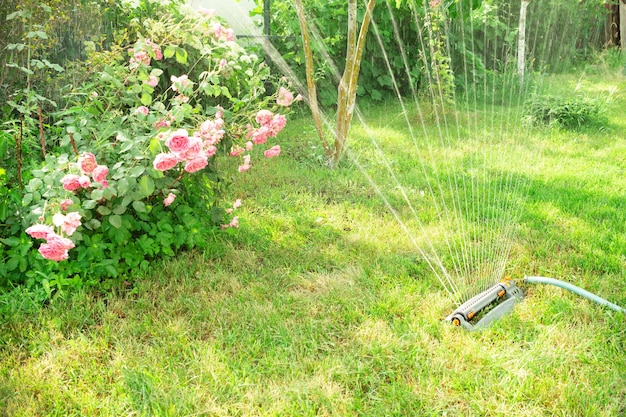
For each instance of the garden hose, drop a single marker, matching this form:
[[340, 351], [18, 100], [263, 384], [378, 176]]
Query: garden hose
[[576, 290]]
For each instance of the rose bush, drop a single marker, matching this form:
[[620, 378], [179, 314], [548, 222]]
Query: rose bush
[[137, 174]]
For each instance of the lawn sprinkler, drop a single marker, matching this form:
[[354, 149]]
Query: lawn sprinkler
[[481, 310]]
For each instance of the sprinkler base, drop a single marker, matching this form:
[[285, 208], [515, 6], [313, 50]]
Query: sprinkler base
[[494, 303]]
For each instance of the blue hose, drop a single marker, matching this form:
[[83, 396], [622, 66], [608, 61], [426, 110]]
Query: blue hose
[[575, 290]]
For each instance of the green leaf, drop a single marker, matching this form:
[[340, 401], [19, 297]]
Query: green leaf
[[181, 56], [89, 204], [155, 146], [34, 184], [122, 186], [11, 241], [27, 199], [104, 210], [169, 51], [14, 15], [97, 194], [12, 264], [146, 186], [115, 220], [139, 206], [38, 34], [127, 146], [136, 171], [146, 99], [55, 67]]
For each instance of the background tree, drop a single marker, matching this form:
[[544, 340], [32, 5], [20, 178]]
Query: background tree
[[348, 83]]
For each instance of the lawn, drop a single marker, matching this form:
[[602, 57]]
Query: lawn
[[320, 304]]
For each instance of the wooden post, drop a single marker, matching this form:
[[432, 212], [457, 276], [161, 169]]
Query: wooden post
[[521, 46], [266, 17]]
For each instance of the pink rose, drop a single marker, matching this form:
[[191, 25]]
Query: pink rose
[[86, 163], [223, 62], [196, 164], [193, 150], [72, 222], [237, 204], [169, 199], [161, 123], [298, 97], [229, 35], [70, 182], [165, 161], [246, 164], [264, 117], [285, 97], [68, 223], [278, 123], [178, 141], [84, 181], [260, 135], [272, 152], [236, 151], [142, 110], [158, 54], [210, 151], [56, 247], [39, 231], [66, 203], [217, 29], [141, 57], [212, 131], [207, 12], [100, 173], [180, 83], [233, 223], [249, 146], [152, 81]]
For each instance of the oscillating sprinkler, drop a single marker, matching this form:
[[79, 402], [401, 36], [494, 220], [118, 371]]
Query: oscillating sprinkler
[[481, 310]]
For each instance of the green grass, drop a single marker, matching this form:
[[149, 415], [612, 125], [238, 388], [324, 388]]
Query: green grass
[[320, 305]]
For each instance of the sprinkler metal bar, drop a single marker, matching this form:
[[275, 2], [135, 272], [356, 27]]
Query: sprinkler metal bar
[[503, 295]]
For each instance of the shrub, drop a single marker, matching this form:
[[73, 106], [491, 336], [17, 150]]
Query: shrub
[[137, 172], [564, 112]]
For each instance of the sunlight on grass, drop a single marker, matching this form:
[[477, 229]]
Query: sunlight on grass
[[320, 305]]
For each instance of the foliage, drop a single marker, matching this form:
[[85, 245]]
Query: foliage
[[183, 92], [62, 32], [565, 112], [398, 49], [329, 22], [560, 34]]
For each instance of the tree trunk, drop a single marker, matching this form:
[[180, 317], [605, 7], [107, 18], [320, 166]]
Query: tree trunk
[[312, 89], [622, 24], [521, 47], [348, 83]]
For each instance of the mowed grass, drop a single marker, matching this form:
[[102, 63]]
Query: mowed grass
[[319, 305]]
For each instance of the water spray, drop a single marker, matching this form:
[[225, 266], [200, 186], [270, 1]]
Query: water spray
[[490, 305]]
